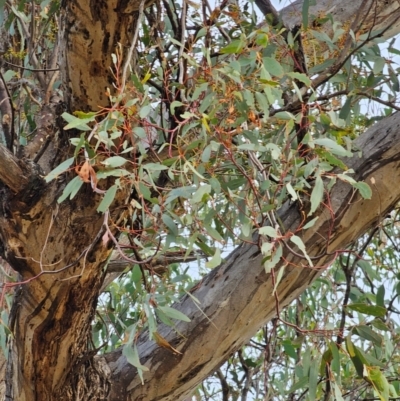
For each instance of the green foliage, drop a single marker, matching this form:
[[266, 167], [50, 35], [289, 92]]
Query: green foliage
[[212, 136]]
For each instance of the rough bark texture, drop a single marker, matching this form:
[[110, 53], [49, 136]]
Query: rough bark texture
[[91, 31], [58, 252], [377, 14]]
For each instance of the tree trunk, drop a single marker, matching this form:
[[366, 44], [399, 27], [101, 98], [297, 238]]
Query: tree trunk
[[60, 253]]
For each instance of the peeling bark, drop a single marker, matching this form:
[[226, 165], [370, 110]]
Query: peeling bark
[[53, 309], [92, 31]]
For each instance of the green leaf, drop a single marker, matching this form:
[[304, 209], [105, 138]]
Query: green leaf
[[114, 161], [297, 241], [154, 167], [333, 146], [107, 199], [345, 111], [355, 357], [144, 111], [201, 195], [267, 230], [302, 383], [300, 77], [332, 160], [291, 191], [337, 392], [321, 67], [378, 381], [316, 195], [379, 63], [367, 333], [371, 310], [289, 350], [364, 189], [59, 170], [212, 232], [234, 47], [169, 222], [325, 361], [273, 66], [304, 13], [313, 382], [310, 223], [380, 296], [262, 103], [132, 356], [285, 115], [281, 270], [270, 263], [215, 260], [174, 105], [377, 323], [77, 123], [71, 189], [173, 313]]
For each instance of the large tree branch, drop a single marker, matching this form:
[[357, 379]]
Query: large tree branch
[[237, 298], [382, 14]]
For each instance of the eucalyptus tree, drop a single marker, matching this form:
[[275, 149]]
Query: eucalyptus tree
[[142, 135]]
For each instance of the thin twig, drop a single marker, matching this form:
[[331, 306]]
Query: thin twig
[[132, 47]]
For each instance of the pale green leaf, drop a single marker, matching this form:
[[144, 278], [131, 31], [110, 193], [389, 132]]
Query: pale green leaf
[[107, 199], [291, 191], [333, 146], [59, 169], [298, 241], [71, 189], [144, 111], [174, 313], [364, 189], [215, 260], [270, 263], [267, 230], [310, 223], [235, 46], [154, 167], [366, 309], [114, 161], [170, 223], [278, 276], [132, 356], [201, 194], [174, 105], [337, 392], [316, 195], [273, 66], [77, 123]]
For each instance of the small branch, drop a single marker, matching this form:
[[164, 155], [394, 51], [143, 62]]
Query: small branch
[[133, 45], [7, 113], [119, 265], [32, 56], [224, 385], [31, 69], [266, 8], [182, 69]]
